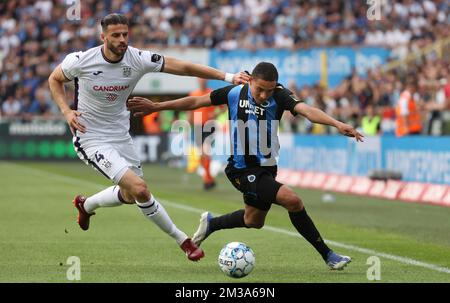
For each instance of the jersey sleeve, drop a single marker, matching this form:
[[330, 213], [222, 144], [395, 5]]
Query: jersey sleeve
[[151, 62], [286, 99], [71, 65], [220, 96]]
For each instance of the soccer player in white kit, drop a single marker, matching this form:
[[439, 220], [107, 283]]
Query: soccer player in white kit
[[104, 77]]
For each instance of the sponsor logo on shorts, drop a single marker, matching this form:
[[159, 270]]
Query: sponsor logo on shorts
[[107, 164], [100, 158]]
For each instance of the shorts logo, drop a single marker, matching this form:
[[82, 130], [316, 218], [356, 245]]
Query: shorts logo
[[127, 71], [251, 178], [100, 158], [107, 164]]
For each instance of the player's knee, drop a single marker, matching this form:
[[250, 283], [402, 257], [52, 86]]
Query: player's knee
[[293, 203], [127, 197], [141, 192]]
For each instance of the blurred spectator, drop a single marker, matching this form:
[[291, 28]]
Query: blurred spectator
[[11, 107], [26, 113], [35, 35], [228, 42], [202, 136], [42, 106], [370, 123], [408, 119], [436, 106], [323, 36], [151, 124], [347, 37], [284, 40]]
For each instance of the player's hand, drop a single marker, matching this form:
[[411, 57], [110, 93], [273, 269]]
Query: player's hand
[[72, 120], [350, 131], [241, 78], [141, 106]]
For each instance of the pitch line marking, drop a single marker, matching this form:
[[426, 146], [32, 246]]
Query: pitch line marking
[[405, 260]]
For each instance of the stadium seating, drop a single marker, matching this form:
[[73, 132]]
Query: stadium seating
[[35, 35]]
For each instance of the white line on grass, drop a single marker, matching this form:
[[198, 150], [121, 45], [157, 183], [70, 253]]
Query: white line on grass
[[370, 252], [97, 186]]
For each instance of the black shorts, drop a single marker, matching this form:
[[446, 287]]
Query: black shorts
[[257, 184]]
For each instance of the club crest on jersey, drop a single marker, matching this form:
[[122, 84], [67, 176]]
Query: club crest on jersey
[[127, 71], [156, 58], [251, 178]]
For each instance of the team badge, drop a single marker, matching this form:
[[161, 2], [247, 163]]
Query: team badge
[[251, 178], [127, 71], [156, 58]]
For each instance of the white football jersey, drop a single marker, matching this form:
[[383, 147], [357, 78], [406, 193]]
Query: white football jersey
[[102, 87]]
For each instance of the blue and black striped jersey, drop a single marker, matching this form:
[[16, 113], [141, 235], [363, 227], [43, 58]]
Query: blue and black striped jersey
[[253, 127]]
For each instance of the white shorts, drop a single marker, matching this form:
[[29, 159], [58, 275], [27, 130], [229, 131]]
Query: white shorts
[[111, 158]]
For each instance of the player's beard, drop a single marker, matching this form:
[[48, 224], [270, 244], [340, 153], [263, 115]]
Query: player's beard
[[117, 50]]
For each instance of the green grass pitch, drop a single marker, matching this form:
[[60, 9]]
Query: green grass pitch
[[39, 232]]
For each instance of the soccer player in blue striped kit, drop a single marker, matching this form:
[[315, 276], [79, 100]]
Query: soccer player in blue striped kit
[[254, 112]]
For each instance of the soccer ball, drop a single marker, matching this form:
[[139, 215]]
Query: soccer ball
[[236, 260]]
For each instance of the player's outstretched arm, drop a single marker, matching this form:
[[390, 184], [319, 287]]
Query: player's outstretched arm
[[142, 106], [315, 115], [185, 68], [56, 84]]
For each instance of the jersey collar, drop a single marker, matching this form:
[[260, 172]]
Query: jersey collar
[[110, 61]]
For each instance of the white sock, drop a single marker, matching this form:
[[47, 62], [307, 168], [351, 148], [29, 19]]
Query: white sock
[[106, 198], [153, 210]]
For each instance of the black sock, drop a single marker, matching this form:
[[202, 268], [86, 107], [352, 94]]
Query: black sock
[[227, 221], [306, 228]]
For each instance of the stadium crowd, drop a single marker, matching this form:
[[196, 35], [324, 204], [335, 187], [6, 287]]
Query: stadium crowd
[[35, 35]]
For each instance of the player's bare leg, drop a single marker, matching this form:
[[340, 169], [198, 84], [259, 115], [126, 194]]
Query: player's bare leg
[[254, 217], [136, 187]]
